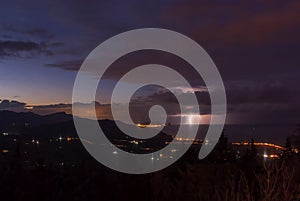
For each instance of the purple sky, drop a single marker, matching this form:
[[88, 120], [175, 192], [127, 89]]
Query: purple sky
[[255, 45]]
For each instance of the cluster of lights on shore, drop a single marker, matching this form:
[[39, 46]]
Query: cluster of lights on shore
[[176, 140], [265, 144]]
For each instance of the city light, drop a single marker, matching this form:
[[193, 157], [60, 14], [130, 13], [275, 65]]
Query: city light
[[5, 151], [259, 144], [150, 125]]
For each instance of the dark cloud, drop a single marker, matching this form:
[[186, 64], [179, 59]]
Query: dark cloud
[[26, 41], [23, 30], [163, 97], [260, 93], [67, 65], [242, 38], [57, 44], [231, 23], [227, 29], [12, 105], [246, 40], [237, 93], [248, 103], [12, 48]]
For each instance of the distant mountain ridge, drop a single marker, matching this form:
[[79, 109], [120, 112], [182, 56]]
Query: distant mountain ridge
[[8, 118], [28, 125]]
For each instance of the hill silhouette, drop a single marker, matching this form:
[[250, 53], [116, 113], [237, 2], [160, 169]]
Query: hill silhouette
[[29, 125]]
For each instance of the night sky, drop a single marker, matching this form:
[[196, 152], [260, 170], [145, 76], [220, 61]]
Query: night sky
[[254, 44]]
